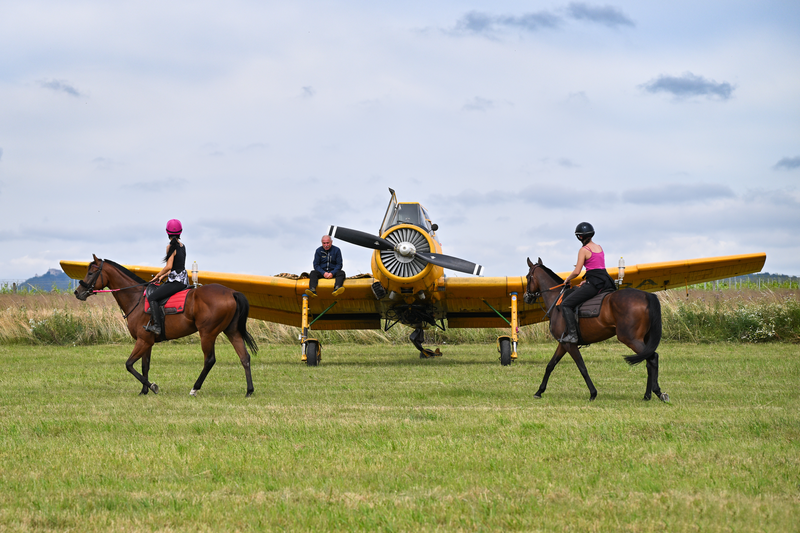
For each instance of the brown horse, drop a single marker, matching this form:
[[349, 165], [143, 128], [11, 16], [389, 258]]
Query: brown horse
[[632, 315], [209, 310]]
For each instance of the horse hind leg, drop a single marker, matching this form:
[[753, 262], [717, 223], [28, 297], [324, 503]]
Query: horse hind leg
[[639, 347], [210, 358], [652, 380], [244, 356]]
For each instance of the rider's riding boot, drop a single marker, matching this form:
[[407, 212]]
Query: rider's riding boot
[[156, 319], [570, 327]]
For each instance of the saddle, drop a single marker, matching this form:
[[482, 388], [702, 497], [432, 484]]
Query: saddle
[[591, 307], [171, 306]]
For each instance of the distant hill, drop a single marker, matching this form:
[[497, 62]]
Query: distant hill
[[54, 277]]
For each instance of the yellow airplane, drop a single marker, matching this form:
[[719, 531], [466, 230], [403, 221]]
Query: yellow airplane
[[409, 286]]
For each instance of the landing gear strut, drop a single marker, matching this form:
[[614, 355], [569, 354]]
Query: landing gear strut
[[507, 344], [417, 338]]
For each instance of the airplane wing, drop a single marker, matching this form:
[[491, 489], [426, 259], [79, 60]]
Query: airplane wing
[[468, 302]]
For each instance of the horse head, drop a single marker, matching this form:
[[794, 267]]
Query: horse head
[[94, 277], [532, 290]]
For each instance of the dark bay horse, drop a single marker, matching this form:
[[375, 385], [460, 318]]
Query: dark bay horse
[[209, 310], [632, 315]]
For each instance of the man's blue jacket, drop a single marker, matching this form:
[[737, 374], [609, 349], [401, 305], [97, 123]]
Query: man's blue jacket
[[328, 261]]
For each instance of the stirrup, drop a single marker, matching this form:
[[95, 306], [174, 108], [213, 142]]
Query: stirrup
[[567, 337], [152, 328]]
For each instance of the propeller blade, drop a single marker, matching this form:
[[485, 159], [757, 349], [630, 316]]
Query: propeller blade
[[453, 263], [359, 238]]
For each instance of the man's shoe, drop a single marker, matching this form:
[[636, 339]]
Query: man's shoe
[[153, 328], [338, 291], [311, 293]]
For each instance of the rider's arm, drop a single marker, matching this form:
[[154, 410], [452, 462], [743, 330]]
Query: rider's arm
[[167, 268], [583, 255]]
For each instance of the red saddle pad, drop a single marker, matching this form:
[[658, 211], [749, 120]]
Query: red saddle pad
[[173, 306]]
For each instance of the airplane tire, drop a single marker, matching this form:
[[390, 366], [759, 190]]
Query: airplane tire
[[312, 353], [505, 352]]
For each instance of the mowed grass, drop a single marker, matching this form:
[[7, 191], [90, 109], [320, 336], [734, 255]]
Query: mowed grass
[[377, 439]]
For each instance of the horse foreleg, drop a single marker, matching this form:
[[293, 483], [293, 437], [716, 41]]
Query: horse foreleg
[[139, 350], [560, 351], [244, 357], [207, 344], [146, 368], [578, 358]]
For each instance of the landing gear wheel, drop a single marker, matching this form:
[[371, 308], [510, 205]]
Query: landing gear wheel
[[504, 345], [312, 352]]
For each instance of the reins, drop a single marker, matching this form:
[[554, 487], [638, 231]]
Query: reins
[[556, 302], [123, 288], [97, 276]]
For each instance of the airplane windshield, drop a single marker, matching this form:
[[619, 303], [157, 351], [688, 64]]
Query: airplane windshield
[[407, 214]]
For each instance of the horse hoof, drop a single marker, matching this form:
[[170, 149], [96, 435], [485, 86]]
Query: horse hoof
[[537, 396], [249, 393], [154, 388], [193, 392], [646, 398], [664, 397], [592, 397]]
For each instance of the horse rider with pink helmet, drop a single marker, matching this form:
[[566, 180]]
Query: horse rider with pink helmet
[[175, 273]]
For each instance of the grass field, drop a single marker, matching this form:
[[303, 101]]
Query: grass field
[[377, 439]]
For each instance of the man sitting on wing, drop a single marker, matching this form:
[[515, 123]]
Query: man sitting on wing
[[328, 264]]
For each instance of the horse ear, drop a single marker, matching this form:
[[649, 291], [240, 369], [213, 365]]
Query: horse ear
[[95, 258], [540, 260], [529, 263]]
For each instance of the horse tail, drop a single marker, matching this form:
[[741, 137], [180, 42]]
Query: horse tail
[[653, 337], [243, 310]]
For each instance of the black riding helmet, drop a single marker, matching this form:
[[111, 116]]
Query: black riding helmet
[[584, 232]]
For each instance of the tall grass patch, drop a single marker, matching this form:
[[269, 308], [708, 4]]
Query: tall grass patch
[[732, 316], [703, 316]]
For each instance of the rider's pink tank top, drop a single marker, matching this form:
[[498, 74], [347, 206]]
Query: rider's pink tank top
[[598, 260]]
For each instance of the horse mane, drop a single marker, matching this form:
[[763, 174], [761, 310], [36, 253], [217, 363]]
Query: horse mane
[[124, 271], [551, 273]]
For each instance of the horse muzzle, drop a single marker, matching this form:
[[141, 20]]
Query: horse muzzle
[[82, 293], [529, 298]]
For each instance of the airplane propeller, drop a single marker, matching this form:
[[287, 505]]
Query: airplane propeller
[[453, 263], [366, 240], [359, 238]]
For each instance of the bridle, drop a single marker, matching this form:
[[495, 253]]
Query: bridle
[[93, 281], [533, 297]]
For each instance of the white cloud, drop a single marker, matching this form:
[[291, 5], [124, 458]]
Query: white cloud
[[261, 124]]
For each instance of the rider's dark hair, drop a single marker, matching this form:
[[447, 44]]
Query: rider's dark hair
[[173, 247]]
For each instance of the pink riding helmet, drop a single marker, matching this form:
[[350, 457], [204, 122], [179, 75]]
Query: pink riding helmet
[[174, 227]]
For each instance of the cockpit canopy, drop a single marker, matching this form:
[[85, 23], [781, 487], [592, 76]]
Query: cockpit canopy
[[407, 213]]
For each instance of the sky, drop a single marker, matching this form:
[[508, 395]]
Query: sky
[[672, 127]]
